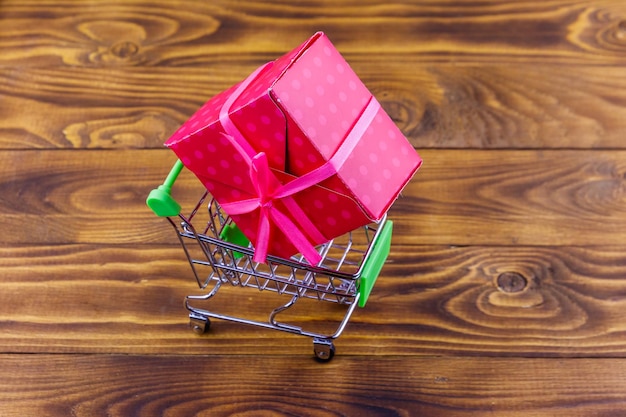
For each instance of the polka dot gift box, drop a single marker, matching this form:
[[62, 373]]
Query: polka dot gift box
[[298, 153]]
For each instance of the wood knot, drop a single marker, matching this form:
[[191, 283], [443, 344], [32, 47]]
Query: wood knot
[[511, 282], [615, 34], [399, 112], [619, 32], [124, 49]]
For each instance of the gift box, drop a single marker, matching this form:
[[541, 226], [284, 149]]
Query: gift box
[[298, 153]]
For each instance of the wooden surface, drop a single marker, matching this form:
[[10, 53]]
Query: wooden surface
[[504, 294]]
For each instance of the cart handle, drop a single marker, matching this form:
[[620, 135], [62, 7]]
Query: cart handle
[[160, 199], [374, 262]]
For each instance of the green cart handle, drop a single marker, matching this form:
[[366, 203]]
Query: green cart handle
[[374, 262], [160, 199]]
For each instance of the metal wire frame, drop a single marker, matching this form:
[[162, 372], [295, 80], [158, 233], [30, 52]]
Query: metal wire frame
[[216, 262]]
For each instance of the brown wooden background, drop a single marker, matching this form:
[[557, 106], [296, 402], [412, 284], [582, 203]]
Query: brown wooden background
[[504, 294]]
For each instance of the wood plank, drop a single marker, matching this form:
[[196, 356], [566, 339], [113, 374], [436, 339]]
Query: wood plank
[[429, 300], [53, 385], [505, 289], [459, 197], [441, 106], [515, 197], [107, 33]]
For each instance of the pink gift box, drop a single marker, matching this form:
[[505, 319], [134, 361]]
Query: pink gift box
[[298, 153]]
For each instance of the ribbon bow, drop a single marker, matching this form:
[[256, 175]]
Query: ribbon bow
[[269, 191]]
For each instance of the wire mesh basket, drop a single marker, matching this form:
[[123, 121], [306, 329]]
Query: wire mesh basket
[[220, 255]]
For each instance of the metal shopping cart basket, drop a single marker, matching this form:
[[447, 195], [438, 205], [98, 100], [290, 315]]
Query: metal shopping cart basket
[[220, 255]]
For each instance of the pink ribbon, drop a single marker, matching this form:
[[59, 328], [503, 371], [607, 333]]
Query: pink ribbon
[[269, 189]]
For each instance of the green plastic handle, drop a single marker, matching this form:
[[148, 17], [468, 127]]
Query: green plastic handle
[[160, 199], [374, 263]]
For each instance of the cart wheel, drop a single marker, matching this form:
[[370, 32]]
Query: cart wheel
[[199, 324], [324, 350]]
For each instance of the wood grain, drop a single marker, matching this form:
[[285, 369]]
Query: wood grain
[[442, 106], [53, 385], [450, 76], [104, 33], [459, 197], [429, 300], [515, 197], [505, 289]]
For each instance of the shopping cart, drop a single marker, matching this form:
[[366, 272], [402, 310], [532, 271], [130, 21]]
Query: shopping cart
[[220, 255]]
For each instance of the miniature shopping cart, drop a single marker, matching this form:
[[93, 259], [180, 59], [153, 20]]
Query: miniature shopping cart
[[220, 255]]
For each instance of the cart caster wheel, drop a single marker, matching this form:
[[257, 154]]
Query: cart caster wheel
[[324, 350], [199, 324]]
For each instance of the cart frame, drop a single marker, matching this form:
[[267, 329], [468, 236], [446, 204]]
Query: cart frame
[[345, 275]]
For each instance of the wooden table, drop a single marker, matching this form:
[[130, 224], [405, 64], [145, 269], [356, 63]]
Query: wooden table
[[504, 293]]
